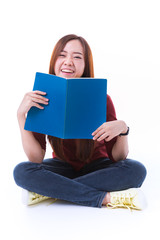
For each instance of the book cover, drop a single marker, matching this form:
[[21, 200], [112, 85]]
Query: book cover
[[77, 107]]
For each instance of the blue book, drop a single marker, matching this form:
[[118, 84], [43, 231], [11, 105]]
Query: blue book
[[77, 107]]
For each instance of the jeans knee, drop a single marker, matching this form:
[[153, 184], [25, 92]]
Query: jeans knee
[[139, 172], [142, 173], [21, 173], [18, 173]]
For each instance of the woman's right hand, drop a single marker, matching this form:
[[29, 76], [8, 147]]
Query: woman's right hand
[[31, 146], [32, 99]]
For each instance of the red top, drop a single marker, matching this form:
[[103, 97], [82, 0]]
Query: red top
[[102, 150]]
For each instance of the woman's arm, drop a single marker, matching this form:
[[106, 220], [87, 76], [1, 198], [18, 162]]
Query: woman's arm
[[107, 131], [120, 149], [31, 146]]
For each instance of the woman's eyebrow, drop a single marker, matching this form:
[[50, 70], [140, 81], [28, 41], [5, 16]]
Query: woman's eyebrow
[[73, 52], [78, 53]]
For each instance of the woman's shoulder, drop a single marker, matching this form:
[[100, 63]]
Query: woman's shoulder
[[109, 101], [109, 98], [111, 113]]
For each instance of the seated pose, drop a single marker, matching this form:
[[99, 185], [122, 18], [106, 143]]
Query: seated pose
[[89, 172]]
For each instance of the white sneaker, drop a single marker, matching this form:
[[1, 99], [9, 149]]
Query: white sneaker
[[30, 198], [131, 198]]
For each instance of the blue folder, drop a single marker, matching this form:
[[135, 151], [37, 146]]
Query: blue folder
[[77, 107]]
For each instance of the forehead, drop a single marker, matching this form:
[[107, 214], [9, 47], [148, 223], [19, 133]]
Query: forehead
[[73, 46]]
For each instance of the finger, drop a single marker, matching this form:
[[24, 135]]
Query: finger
[[36, 96], [37, 105], [97, 130], [37, 100], [109, 138], [99, 134], [39, 92], [102, 137]]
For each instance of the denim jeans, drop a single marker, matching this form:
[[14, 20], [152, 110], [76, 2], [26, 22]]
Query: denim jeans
[[87, 187]]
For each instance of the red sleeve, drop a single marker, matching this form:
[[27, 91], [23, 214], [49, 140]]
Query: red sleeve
[[41, 138], [111, 116], [111, 113]]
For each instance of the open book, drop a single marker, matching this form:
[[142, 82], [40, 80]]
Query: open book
[[77, 107]]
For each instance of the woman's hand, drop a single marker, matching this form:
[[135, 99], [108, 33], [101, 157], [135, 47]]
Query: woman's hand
[[108, 130], [31, 146], [32, 99]]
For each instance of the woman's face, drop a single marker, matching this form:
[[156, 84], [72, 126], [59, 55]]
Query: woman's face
[[70, 63]]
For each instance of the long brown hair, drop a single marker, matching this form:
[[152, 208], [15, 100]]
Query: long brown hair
[[84, 147]]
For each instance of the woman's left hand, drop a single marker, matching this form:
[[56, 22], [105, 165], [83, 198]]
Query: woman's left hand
[[108, 130]]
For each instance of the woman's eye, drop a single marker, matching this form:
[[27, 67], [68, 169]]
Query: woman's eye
[[77, 57], [61, 55]]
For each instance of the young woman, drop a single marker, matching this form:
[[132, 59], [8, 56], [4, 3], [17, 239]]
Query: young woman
[[87, 172]]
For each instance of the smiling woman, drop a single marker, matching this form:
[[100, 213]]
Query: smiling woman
[[76, 50], [70, 62], [90, 172]]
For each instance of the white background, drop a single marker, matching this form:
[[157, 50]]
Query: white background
[[125, 40]]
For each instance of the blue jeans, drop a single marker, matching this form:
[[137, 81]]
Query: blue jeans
[[87, 187]]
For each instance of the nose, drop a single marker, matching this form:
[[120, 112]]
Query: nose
[[68, 61]]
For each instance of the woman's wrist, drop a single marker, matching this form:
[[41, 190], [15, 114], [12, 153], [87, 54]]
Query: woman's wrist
[[20, 116], [124, 128], [21, 119]]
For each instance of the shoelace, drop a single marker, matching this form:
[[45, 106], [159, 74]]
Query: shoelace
[[122, 201], [54, 200], [38, 198]]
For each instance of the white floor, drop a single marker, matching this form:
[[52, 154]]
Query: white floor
[[63, 220]]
